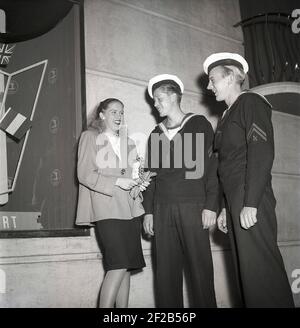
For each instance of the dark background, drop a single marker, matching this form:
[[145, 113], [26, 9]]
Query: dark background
[[47, 178]]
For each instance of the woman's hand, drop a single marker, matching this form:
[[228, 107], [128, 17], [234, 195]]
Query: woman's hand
[[126, 183], [145, 180], [143, 186]]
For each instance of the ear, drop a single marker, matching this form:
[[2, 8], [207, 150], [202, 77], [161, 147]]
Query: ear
[[173, 97], [230, 78], [102, 117]]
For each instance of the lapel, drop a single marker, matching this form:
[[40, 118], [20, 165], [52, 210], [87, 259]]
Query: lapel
[[222, 122], [227, 114], [220, 128], [104, 144]]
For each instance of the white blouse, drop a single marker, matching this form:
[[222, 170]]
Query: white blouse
[[115, 143]]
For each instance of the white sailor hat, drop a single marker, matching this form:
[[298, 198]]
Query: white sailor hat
[[225, 58], [158, 80]]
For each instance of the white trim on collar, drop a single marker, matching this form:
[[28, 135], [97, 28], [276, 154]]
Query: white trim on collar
[[170, 135]]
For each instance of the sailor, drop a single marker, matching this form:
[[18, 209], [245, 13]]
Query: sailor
[[244, 143], [181, 202]]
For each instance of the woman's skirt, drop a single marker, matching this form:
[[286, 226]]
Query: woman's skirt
[[120, 243]]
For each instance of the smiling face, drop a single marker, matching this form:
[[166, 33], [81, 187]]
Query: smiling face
[[163, 101], [113, 116], [219, 83]]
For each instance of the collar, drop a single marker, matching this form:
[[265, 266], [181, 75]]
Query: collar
[[173, 131]]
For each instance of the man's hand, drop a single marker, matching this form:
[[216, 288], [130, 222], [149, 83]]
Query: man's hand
[[208, 218], [221, 221], [248, 217], [148, 224]]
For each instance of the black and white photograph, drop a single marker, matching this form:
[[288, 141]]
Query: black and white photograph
[[150, 156]]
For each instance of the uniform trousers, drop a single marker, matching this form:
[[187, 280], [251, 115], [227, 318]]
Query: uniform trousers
[[180, 241], [259, 266]]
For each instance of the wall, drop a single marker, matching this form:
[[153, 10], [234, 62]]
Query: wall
[[128, 42], [285, 97]]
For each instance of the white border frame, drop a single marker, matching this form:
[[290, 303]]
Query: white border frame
[[10, 75]]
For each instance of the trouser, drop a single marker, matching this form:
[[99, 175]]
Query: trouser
[[180, 241], [259, 266]]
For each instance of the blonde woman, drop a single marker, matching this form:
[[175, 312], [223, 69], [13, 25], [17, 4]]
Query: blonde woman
[[105, 161]]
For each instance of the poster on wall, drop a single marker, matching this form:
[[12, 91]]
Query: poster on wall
[[39, 131]]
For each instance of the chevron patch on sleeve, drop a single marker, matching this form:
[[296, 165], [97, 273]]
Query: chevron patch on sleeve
[[256, 133]]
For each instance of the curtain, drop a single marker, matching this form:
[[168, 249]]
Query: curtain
[[271, 48]]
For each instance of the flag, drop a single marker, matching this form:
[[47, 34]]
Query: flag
[[6, 52], [15, 124]]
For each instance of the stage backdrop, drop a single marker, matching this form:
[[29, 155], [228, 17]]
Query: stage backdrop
[[45, 195]]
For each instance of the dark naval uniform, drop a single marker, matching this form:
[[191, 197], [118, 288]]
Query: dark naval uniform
[[176, 201], [245, 146]]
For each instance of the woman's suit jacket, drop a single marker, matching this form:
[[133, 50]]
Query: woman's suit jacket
[[99, 198]]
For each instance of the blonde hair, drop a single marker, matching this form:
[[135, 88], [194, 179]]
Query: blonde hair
[[238, 74]]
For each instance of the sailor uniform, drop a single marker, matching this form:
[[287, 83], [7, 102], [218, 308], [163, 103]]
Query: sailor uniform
[[245, 146], [176, 203]]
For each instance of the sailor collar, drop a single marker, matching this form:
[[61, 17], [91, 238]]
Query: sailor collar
[[170, 133]]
